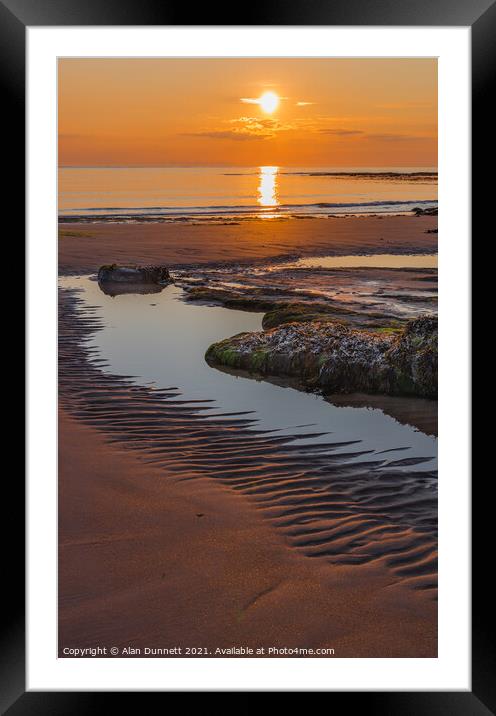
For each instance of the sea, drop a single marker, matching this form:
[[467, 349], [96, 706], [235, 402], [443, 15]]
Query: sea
[[220, 194]]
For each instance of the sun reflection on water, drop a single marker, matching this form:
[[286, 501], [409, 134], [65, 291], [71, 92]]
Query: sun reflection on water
[[267, 188]]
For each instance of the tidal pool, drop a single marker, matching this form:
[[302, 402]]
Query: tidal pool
[[159, 339], [419, 261]]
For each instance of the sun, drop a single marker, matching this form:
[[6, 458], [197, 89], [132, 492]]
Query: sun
[[269, 102]]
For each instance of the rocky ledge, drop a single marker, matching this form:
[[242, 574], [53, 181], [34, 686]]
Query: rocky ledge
[[334, 358]]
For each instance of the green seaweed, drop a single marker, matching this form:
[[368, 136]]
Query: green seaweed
[[258, 360], [224, 354], [388, 330], [403, 383], [300, 313]]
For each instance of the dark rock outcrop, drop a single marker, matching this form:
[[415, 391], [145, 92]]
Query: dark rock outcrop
[[113, 273], [414, 357], [428, 211]]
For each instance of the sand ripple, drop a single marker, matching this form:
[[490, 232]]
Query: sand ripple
[[327, 504]]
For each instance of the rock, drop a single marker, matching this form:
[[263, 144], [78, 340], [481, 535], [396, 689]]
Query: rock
[[279, 309], [336, 358], [414, 357], [328, 353], [297, 313], [134, 274], [356, 362], [431, 211], [227, 298]]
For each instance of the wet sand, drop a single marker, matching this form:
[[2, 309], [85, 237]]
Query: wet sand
[[85, 247], [146, 560]]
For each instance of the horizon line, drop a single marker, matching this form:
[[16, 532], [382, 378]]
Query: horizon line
[[239, 166]]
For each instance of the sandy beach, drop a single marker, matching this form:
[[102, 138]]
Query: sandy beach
[[163, 541], [85, 247], [146, 560]]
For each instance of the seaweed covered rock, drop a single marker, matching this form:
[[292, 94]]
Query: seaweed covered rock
[[297, 313], [414, 357], [325, 352], [112, 273], [337, 358], [356, 362]]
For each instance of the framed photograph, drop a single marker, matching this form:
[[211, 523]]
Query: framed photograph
[[248, 353]]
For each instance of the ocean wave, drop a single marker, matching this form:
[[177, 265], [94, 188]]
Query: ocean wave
[[173, 212]]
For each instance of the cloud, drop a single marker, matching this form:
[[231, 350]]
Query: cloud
[[395, 137], [248, 100], [257, 124], [406, 105], [255, 128], [262, 126], [244, 129], [304, 104], [341, 132], [225, 134], [379, 137]]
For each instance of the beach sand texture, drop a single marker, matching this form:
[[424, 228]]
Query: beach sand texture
[[139, 566], [85, 247]]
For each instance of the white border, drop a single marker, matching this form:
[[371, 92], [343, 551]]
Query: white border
[[450, 671]]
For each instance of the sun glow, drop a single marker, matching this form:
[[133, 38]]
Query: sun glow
[[267, 188], [269, 102]]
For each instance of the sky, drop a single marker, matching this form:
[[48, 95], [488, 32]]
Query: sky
[[207, 112]]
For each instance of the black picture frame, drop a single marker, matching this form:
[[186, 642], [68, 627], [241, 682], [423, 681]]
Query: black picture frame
[[15, 17]]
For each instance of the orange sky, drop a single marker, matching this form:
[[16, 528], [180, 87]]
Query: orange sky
[[186, 112]]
